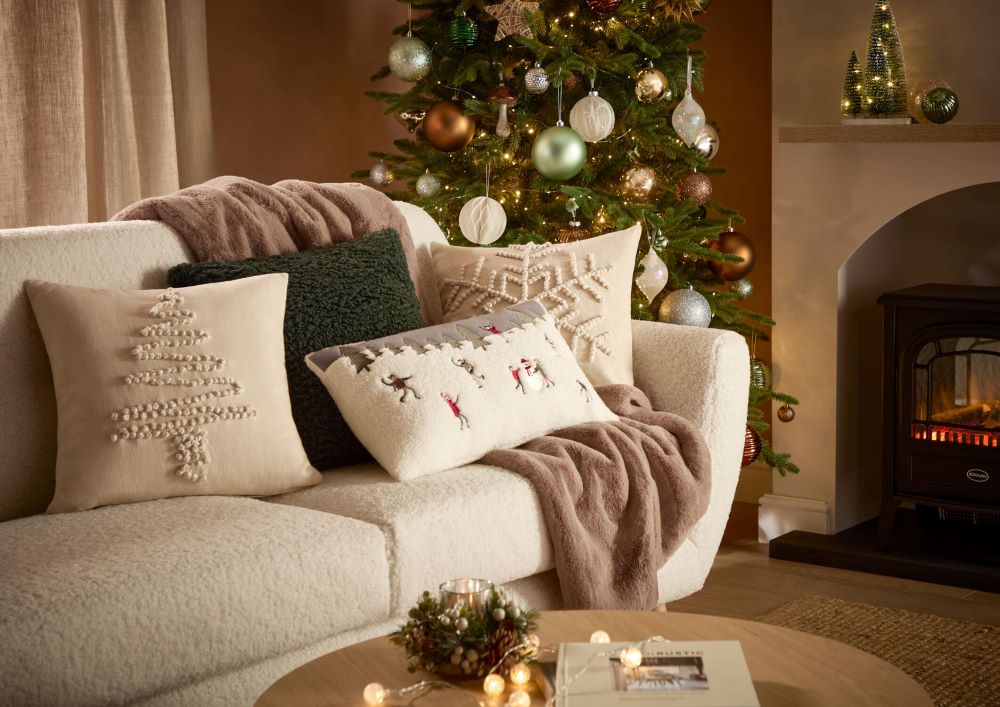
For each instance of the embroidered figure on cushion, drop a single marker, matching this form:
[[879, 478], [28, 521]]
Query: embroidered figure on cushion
[[584, 391], [400, 384], [463, 421], [470, 369], [537, 366], [181, 420], [551, 343], [491, 329], [546, 272]]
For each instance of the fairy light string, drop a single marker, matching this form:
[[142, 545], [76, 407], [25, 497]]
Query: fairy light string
[[494, 684]]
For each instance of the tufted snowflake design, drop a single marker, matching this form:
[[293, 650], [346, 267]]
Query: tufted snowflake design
[[535, 274]]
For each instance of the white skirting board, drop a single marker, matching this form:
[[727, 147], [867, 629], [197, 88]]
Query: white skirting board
[[778, 515]]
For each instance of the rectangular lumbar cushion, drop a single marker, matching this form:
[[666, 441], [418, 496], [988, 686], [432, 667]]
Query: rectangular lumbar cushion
[[176, 392], [586, 286], [351, 291], [436, 398]]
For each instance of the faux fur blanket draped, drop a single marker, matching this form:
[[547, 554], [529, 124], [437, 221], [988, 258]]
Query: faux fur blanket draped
[[233, 218], [618, 497]]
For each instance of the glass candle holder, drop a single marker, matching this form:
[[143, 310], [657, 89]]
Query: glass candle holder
[[473, 593]]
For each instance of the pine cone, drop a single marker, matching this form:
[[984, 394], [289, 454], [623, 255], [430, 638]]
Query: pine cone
[[502, 640]]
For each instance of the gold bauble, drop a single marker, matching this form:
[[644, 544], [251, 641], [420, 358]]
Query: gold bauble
[[639, 182], [447, 127], [571, 233], [651, 86], [695, 186], [733, 243]]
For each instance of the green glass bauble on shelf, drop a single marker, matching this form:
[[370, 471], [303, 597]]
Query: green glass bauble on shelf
[[462, 31], [939, 105], [559, 153]]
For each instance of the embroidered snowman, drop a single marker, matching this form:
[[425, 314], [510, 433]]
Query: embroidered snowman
[[463, 421], [529, 375]]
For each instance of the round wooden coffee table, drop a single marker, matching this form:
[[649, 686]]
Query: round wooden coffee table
[[788, 667]]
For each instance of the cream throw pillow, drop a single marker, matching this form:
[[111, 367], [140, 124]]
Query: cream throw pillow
[[170, 392], [586, 286], [435, 398]]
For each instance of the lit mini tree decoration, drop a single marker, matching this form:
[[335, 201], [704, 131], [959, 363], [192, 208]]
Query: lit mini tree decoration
[[884, 82], [851, 103]]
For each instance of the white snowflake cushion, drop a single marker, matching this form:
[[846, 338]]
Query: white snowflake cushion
[[178, 392], [432, 399], [586, 286]]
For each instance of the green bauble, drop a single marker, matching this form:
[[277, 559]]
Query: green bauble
[[939, 105], [760, 374], [559, 153], [463, 32]]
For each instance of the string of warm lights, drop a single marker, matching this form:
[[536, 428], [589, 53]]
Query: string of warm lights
[[519, 674]]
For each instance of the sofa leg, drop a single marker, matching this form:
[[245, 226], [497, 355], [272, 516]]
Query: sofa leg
[[661, 607]]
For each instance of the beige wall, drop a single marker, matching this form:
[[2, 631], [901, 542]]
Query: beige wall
[[830, 198]]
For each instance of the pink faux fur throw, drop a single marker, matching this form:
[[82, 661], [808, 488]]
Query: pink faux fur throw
[[232, 218], [618, 497]]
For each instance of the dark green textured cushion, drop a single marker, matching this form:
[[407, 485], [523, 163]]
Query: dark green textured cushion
[[353, 291]]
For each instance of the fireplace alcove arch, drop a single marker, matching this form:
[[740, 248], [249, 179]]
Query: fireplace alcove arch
[[952, 238]]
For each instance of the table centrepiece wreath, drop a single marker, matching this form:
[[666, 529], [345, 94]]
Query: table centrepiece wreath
[[470, 628]]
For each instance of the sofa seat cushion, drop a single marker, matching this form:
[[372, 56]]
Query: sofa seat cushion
[[105, 605], [472, 521]]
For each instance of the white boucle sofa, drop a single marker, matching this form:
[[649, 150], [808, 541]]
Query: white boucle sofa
[[207, 600]]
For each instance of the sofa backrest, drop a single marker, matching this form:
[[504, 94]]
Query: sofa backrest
[[125, 254]]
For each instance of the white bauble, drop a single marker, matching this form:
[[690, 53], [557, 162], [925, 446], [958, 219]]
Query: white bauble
[[428, 185], [708, 142], [688, 119], [381, 174], [592, 117], [654, 275], [482, 220], [410, 58]]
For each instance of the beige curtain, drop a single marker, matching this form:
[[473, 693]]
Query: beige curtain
[[102, 102]]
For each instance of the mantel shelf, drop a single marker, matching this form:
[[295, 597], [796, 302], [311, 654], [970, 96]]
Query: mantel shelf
[[916, 132]]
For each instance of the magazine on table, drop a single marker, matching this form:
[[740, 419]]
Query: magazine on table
[[678, 673]]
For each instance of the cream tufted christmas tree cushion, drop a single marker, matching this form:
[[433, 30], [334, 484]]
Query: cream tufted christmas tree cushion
[[586, 286], [432, 399], [178, 392]]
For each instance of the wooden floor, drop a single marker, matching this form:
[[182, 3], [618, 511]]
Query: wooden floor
[[745, 583]]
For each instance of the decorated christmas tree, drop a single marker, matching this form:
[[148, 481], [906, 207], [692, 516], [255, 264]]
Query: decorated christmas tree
[[884, 82], [576, 118]]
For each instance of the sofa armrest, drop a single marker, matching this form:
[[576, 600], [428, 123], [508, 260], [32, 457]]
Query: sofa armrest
[[703, 375]]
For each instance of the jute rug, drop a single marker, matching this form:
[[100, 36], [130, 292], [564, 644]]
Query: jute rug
[[957, 662]]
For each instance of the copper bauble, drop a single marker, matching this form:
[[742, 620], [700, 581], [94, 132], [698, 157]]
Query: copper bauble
[[571, 233], [733, 243], [603, 5], [786, 413], [447, 127], [695, 186], [751, 446]]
